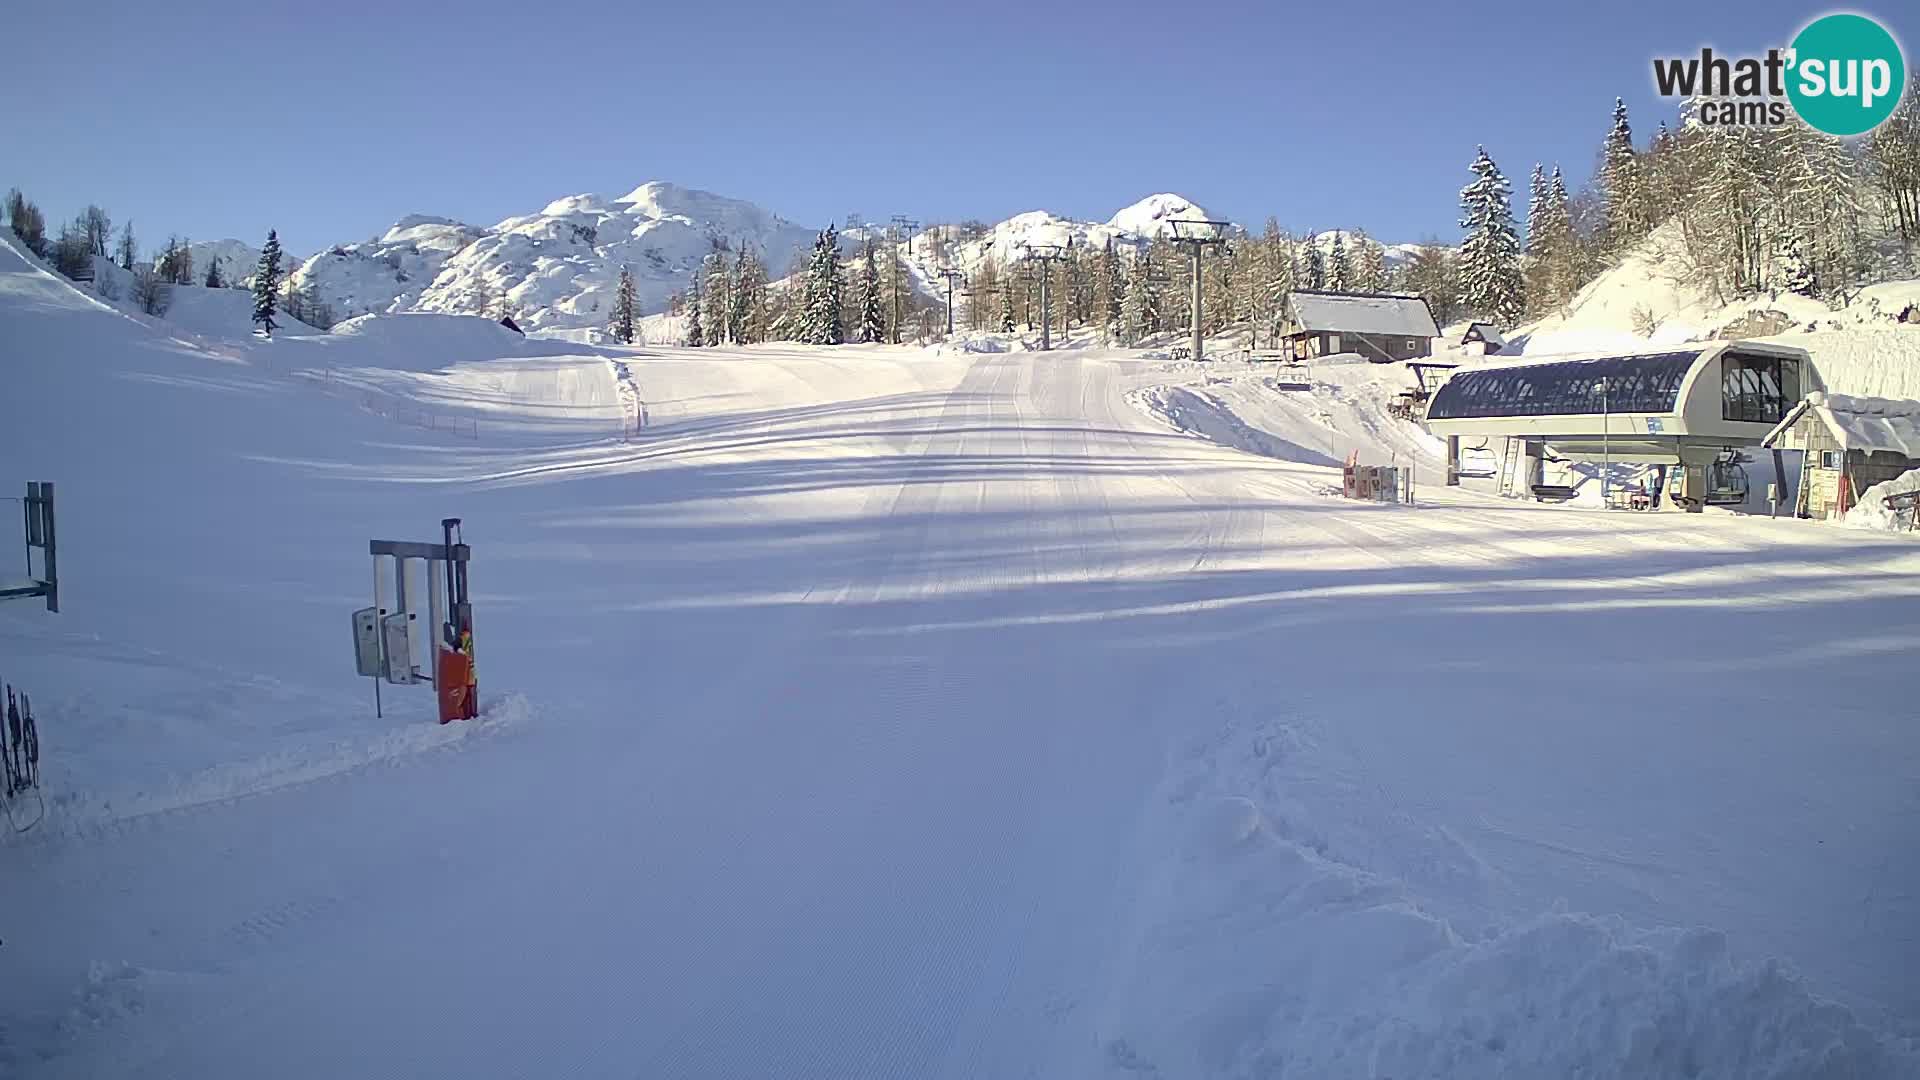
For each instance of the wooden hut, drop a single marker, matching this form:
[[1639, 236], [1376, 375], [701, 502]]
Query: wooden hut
[[1850, 444]]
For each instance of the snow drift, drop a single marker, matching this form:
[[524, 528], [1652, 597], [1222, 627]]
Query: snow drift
[[1872, 511]]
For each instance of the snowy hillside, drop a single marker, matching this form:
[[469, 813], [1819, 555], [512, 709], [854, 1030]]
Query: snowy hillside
[[1650, 299]]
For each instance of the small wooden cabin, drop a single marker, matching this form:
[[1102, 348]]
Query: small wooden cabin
[[1850, 443], [1486, 336], [1381, 327]]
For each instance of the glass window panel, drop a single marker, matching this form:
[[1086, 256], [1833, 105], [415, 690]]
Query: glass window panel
[[1642, 384], [1758, 389]]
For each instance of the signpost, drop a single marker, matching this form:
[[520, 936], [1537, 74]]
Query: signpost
[[384, 638]]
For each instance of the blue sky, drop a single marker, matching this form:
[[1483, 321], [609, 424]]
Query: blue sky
[[329, 121]]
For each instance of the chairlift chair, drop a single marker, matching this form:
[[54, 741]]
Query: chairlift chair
[[1727, 480]]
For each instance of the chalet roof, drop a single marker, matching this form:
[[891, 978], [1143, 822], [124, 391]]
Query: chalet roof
[[1487, 332], [1363, 313], [1866, 424]]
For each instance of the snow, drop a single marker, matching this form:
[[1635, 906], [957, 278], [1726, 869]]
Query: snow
[[897, 712], [1870, 361], [1342, 411], [1872, 512]]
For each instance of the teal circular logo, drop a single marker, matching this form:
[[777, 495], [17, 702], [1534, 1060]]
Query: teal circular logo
[[1845, 74]]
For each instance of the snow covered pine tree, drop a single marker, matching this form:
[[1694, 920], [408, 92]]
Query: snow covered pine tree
[[1314, 273], [821, 323], [266, 283], [873, 324], [621, 322], [1490, 282]]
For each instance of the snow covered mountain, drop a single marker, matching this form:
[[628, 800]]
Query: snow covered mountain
[[1141, 221], [554, 268], [237, 259], [388, 273], [557, 268], [1010, 242]]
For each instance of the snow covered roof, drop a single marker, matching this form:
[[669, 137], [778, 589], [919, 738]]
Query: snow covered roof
[[1363, 313], [1866, 424], [1487, 332]]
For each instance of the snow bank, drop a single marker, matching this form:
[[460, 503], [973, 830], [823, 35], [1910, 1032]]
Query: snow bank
[[1198, 412], [1253, 410], [1872, 512], [415, 341]]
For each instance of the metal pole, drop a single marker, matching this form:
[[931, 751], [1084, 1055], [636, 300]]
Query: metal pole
[[1197, 346], [379, 631], [1606, 444], [436, 614], [1453, 461], [50, 554], [1046, 311]]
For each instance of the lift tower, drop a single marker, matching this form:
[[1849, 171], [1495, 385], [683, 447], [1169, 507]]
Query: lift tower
[[1196, 235], [951, 275], [1046, 255]]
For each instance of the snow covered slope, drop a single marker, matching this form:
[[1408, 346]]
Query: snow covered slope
[[882, 712]]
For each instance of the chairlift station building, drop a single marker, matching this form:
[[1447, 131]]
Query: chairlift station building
[[1687, 405], [1681, 406]]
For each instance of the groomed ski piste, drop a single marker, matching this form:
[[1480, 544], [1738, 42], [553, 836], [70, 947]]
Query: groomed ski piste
[[887, 711]]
